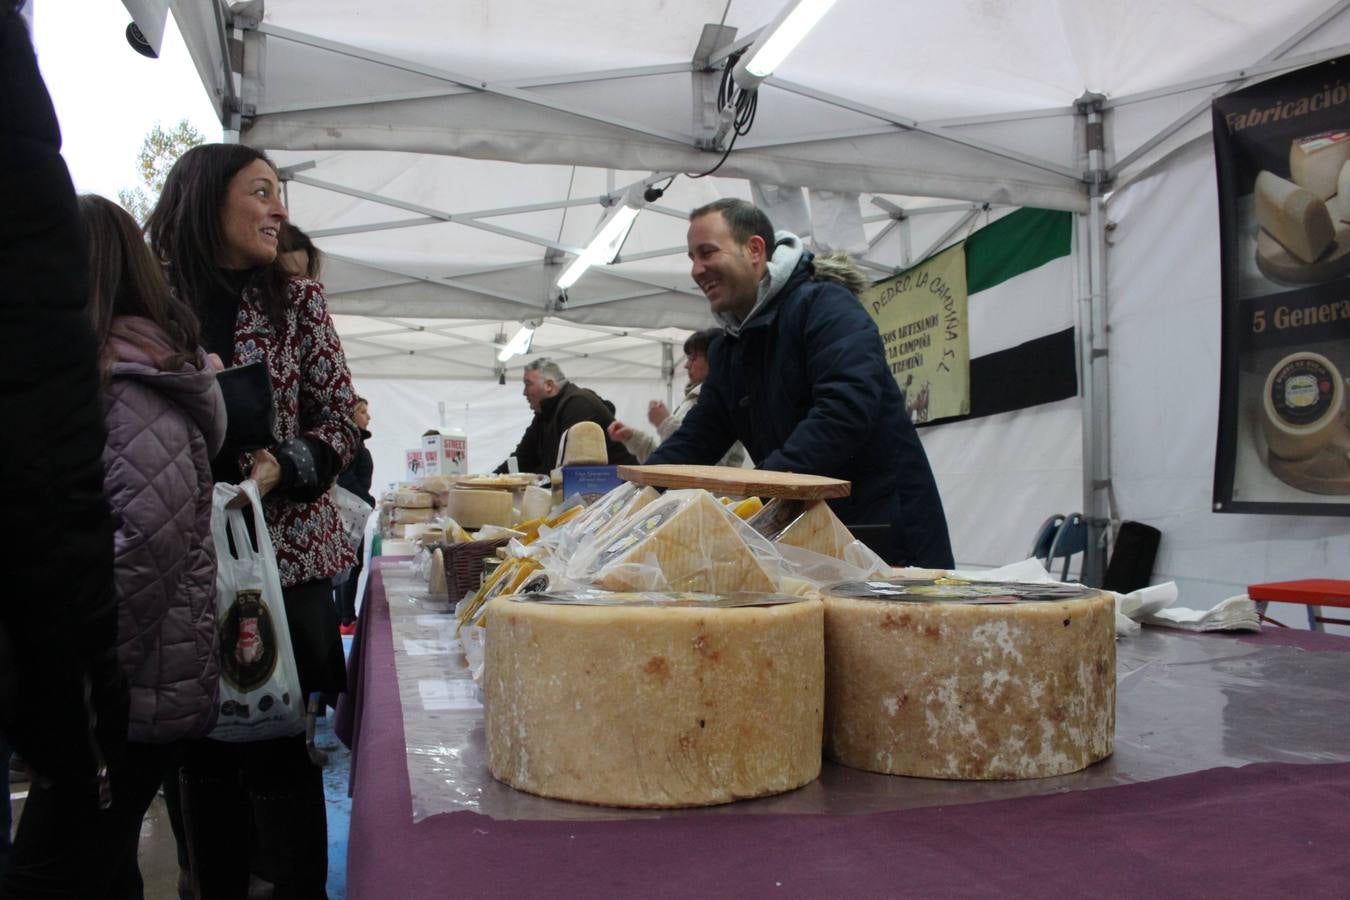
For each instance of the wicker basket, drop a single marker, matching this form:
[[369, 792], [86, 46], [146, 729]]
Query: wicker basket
[[464, 565]]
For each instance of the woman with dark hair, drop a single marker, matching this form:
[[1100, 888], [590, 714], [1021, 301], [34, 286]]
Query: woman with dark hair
[[165, 419], [216, 229], [667, 422]]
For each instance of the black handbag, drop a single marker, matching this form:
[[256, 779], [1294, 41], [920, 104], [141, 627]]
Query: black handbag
[[251, 411]]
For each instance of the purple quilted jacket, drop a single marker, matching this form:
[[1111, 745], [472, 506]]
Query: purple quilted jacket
[[163, 429]]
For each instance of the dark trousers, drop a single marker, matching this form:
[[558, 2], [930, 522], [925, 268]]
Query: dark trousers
[[260, 799]]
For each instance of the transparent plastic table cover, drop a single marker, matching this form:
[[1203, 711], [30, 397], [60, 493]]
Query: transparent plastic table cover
[[1185, 702]]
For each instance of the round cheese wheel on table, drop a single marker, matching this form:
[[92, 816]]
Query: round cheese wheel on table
[[969, 680], [645, 700]]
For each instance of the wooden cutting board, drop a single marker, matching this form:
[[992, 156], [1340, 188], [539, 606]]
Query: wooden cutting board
[[738, 482]]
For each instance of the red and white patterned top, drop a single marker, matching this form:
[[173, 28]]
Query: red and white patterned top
[[314, 398]]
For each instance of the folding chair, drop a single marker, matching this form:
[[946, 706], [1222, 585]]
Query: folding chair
[[1070, 539], [1045, 536]]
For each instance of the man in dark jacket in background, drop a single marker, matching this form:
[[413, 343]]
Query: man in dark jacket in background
[[800, 378], [558, 405], [63, 701]]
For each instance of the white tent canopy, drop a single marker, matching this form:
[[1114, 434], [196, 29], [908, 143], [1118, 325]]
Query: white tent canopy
[[450, 157]]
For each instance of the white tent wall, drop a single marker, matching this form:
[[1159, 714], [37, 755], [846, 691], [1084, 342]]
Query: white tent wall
[[1165, 348]]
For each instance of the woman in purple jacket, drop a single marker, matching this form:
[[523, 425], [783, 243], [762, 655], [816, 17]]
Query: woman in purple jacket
[[165, 419]]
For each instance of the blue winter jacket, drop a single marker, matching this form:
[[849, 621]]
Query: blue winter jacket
[[805, 387]]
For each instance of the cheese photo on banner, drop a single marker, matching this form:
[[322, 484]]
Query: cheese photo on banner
[[1282, 150]]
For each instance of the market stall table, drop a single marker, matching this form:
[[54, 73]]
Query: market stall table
[[1256, 806]]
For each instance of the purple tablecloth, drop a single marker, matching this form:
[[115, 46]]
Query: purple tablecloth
[[1259, 830]]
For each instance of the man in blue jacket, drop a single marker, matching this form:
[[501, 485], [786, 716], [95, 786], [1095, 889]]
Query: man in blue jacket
[[800, 378]]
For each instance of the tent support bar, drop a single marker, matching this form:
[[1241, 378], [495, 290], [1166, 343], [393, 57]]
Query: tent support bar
[[912, 125], [1092, 348], [477, 84], [1203, 107], [947, 235]]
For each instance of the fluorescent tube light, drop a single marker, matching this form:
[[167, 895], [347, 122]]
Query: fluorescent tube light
[[519, 343], [777, 40], [603, 247]]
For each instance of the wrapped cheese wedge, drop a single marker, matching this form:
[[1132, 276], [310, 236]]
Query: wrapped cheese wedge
[[685, 541]]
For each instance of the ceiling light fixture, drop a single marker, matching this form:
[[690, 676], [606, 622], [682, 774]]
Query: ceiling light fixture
[[520, 343], [777, 40], [608, 240]]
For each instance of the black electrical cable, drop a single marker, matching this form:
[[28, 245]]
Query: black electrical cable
[[746, 104]]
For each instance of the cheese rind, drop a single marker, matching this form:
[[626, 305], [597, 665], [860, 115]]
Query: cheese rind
[[653, 707], [1295, 217], [970, 691]]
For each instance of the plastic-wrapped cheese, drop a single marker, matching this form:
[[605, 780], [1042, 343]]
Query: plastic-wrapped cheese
[[653, 701], [684, 541], [474, 509], [413, 499], [436, 580], [969, 680], [403, 515], [809, 524]]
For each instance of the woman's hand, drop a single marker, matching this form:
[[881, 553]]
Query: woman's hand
[[657, 412], [266, 472], [618, 431]]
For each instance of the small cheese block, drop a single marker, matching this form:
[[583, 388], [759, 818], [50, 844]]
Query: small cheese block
[[413, 500], [474, 509], [685, 541], [403, 515], [818, 529], [969, 680], [454, 533], [653, 704], [1295, 217], [583, 445], [436, 484], [535, 503], [436, 582], [1315, 161]]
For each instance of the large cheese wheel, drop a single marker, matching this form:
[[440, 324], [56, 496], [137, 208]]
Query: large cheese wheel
[[474, 509], [969, 680], [653, 703]]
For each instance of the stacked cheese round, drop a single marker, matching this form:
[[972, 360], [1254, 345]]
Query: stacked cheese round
[[969, 680], [654, 700]]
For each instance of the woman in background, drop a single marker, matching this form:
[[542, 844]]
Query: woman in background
[[165, 419], [215, 229]]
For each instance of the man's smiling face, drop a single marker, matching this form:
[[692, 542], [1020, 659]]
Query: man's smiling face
[[727, 272]]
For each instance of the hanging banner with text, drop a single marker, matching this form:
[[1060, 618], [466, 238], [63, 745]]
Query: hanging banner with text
[[921, 314], [1282, 153]]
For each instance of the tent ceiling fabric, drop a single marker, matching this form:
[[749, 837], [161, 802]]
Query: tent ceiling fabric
[[450, 156]]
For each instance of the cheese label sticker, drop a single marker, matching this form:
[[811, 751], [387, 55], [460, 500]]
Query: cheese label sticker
[[653, 517], [774, 519], [947, 591], [1302, 391], [1318, 141]]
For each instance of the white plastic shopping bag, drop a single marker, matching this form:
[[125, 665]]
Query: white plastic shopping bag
[[259, 685]]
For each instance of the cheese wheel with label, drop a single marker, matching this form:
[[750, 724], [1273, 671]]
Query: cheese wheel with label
[[969, 680], [1302, 402], [651, 700]]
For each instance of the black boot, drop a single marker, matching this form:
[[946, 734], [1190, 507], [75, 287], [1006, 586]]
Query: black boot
[[219, 827]]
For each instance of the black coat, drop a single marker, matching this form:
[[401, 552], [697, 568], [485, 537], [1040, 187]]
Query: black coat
[[357, 476], [538, 448], [805, 387], [58, 614]]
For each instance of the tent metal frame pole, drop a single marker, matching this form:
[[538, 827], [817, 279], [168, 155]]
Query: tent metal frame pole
[[468, 81], [1093, 348]]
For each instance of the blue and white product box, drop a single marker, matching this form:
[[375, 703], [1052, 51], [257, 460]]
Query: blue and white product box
[[590, 482]]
